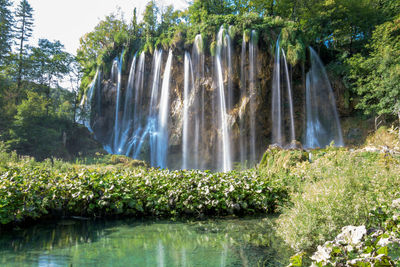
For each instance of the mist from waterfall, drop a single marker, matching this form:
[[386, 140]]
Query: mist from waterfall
[[323, 125]]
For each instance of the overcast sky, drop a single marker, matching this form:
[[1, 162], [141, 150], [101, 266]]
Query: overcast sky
[[68, 20]]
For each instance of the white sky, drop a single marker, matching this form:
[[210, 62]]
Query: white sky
[[68, 20]]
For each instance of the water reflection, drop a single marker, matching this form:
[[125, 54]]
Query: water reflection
[[245, 242]]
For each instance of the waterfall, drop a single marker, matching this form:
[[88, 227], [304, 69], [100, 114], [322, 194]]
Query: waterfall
[[193, 106], [185, 112], [127, 115], [117, 66], [85, 107], [163, 114], [243, 96], [228, 66], [278, 110], [98, 93], [137, 106], [323, 125], [210, 124], [289, 92], [197, 70], [150, 129], [252, 95], [225, 152], [276, 99]]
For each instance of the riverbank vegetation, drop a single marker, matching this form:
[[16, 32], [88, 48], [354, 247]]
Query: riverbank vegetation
[[315, 193], [31, 190]]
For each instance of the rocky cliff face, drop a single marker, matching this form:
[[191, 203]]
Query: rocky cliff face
[[103, 117]]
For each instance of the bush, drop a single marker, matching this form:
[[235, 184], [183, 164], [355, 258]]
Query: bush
[[341, 189], [34, 191]]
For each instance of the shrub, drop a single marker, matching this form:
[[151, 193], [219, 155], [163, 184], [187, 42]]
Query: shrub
[[342, 188], [34, 191]]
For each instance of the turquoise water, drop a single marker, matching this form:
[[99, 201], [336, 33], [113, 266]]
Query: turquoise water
[[228, 242]]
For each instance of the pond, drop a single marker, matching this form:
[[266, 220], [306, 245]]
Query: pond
[[77, 242]]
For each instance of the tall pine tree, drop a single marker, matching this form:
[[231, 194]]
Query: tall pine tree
[[6, 34], [24, 27]]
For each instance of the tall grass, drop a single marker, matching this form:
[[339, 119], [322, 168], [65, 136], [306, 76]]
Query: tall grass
[[341, 188]]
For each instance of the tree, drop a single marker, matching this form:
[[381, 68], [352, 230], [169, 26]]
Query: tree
[[6, 34], [169, 18], [201, 9], [35, 132], [110, 34], [49, 63], [134, 27], [376, 77], [24, 27], [150, 20]]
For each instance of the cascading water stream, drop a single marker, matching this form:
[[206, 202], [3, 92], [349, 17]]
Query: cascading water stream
[[162, 130], [252, 95], [243, 97], [98, 93], [289, 91], [127, 115], [193, 106], [323, 125], [229, 70], [151, 127], [223, 116], [137, 106], [118, 64], [185, 128], [86, 104], [276, 99], [197, 70]]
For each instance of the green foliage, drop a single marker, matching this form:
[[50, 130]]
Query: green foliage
[[377, 76], [6, 34], [33, 191], [103, 43], [24, 28], [49, 63], [380, 247], [340, 188]]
